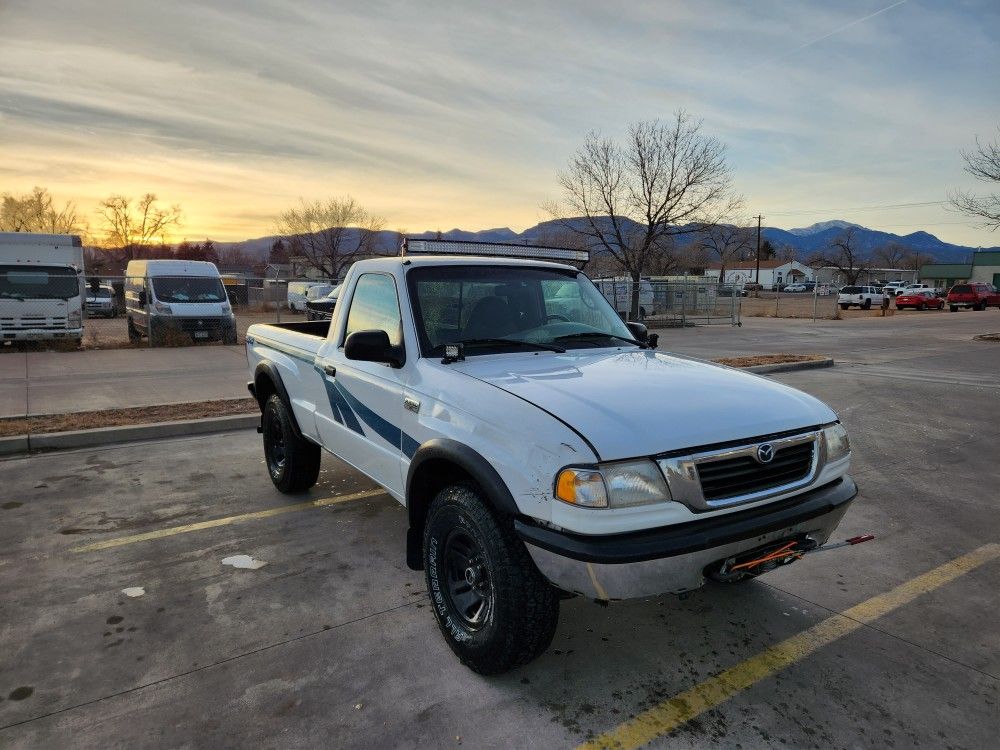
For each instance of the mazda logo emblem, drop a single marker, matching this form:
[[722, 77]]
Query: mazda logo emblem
[[765, 453]]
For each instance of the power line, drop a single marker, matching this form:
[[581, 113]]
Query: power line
[[887, 206]]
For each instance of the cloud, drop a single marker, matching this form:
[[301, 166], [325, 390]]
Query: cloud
[[446, 114]]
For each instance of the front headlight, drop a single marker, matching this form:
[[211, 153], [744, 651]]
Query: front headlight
[[161, 308], [838, 445], [74, 319], [614, 485]]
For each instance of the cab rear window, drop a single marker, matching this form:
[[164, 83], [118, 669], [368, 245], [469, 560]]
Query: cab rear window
[[962, 289]]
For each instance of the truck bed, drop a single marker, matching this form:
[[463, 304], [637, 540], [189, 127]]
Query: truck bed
[[308, 327]]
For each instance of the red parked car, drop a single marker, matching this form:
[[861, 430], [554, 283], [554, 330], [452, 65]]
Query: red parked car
[[921, 299], [976, 294]]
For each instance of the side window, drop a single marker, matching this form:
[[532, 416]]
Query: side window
[[375, 306]]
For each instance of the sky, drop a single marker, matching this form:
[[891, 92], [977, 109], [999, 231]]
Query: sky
[[437, 115]]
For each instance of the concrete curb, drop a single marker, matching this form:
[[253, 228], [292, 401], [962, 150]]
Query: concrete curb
[[125, 433], [810, 364], [14, 444]]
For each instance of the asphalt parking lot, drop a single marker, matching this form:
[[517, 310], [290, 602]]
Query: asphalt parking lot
[[330, 643]]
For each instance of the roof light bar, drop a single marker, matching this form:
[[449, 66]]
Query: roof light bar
[[493, 249]]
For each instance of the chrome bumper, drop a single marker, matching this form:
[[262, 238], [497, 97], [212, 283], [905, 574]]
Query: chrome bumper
[[673, 559]]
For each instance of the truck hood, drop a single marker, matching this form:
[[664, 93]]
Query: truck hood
[[641, 403]]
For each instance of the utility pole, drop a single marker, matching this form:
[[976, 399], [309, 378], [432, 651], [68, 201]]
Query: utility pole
[[756, 279]]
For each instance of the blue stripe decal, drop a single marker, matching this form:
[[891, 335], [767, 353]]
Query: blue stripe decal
[[409, 445], [347, 408], [386, 430]]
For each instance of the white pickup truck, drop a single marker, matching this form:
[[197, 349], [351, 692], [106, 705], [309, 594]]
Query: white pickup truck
[[542, 447]]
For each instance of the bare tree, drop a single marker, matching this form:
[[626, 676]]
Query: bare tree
[[891, 255], [983, 164], [726, 243], [786, 253], [844, 255], [329, 234], [36, 212], [130, 227], [628, 198]]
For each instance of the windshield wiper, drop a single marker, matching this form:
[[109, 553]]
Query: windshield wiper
[[601, 335], [514, 342]]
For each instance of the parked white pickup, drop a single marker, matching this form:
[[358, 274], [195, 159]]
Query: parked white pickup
[[541, 446]]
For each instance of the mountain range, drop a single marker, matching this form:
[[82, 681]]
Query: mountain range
[[805, 240]]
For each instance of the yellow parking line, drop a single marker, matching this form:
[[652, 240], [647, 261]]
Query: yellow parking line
[[672, 713], [228, 521]]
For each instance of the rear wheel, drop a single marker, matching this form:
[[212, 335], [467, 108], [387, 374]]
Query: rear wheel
[[495, 610], [866, 305], [844, 307], [292, 462]]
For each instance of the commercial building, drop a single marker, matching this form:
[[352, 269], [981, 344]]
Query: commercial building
[[985, 266], [772, 272]]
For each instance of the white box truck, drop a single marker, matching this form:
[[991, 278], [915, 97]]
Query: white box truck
[[42, 286]]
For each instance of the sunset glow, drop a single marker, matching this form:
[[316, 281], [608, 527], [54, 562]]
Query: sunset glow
[[448, 117]]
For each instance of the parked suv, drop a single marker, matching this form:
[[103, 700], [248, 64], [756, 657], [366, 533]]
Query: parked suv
[[976, 295], [860, 296]]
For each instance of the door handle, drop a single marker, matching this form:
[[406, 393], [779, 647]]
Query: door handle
[[330, 370]]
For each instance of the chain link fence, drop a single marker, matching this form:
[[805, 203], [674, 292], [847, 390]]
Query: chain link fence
[[691, 301], [113, 312], [119, 312]]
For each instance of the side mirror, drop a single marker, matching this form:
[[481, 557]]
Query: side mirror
[[373, 346], [142, 298], [638, 330]]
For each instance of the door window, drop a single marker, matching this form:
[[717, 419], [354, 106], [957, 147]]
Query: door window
[[375, 306]]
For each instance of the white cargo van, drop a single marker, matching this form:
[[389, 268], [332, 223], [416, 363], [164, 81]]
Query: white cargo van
[[41, 286], [182, 296]]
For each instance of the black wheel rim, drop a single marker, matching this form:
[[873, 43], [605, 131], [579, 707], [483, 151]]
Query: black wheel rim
[[468, 586], [274, 440]]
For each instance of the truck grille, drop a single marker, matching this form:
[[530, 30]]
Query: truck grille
[[190, 325], [744, 475], [33, 323]]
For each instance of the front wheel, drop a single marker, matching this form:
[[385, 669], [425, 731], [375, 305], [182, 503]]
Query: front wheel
[[134, 337], [292, 462], [953, 308], [866, 305], [923, 305], [845, 307], [495, 610]]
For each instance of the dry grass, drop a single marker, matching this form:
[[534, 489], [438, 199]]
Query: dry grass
[[86, 420], [767, 359]]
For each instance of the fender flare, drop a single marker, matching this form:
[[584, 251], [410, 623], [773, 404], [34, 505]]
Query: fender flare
[[269, 370], [471, 463]]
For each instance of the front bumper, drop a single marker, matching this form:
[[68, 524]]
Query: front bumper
[[672, 559], [40, 334]]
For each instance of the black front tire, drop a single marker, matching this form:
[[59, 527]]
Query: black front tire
[[292, 462], [494, 608], [845, 307], [134, 336]]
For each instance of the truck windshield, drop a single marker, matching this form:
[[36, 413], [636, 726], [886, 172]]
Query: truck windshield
[[488, 305], [189, 289], [38, 282]]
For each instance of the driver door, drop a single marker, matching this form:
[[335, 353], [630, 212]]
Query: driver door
[[360, 420]]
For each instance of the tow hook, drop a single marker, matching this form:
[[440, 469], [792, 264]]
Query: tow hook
[[761, 560]]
